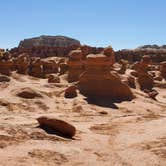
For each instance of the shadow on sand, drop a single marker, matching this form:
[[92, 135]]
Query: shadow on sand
[[102, 102], [52, 131]]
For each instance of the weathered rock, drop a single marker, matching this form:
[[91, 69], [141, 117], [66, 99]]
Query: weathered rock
[[98, 82], [163, 69], [123, 67], [59, 126], [4, 78], [134, 73], [76, 66], [49, 67], [35, 68], [63, 67], [53, 79], [22, 63], [109, 52], [71, 92], [131, 82], [144, 79], [28, 93], [158, 78], [52, 41], [5, 67], [153, 94]]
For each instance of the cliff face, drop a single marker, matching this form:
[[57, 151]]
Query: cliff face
[[51, 41]]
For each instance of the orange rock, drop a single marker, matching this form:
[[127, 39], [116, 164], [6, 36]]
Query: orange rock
[[59, 126], [53, 79], [22, 63], [109, 52], [71, 92], [35, 68], [76, 66], [5, 67], [163, 69], [63, 67], [97, 81]]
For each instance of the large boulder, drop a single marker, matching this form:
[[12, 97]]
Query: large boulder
[[98, 82], [28, 93], [71, 92], [58, 126]]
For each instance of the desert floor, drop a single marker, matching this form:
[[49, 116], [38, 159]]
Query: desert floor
[[124, 134]]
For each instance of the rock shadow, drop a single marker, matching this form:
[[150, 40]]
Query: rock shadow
[[104, 102], [52, 131]]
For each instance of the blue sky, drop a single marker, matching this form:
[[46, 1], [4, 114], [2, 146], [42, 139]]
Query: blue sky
[[120, 23]]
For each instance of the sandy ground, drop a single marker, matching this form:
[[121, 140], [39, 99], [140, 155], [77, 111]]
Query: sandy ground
[[128, 134]]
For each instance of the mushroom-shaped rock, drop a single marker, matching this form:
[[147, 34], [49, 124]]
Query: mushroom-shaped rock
[[75, 55], [98, 82], [59, 126], [71, 92], [76, 66], [109, 52], [28, 93]]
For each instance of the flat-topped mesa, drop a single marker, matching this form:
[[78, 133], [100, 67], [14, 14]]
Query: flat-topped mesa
[[163, 69], [51, 41], [75, 64], [98, 82]]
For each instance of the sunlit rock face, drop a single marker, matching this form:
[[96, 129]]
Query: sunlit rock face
[[144, 79], [98, 82], [76, 66]]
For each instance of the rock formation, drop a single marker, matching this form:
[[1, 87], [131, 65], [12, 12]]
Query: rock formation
[[52, 78], [22, 63], [35, 68], [163, 69], [144, 79], [49, 67], [98, 82], [71, 92], [6, 67], [76, 66], [51, 41], [58, 126], [27, 93]]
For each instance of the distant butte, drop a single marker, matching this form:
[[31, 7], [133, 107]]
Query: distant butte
[[50, 41]]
